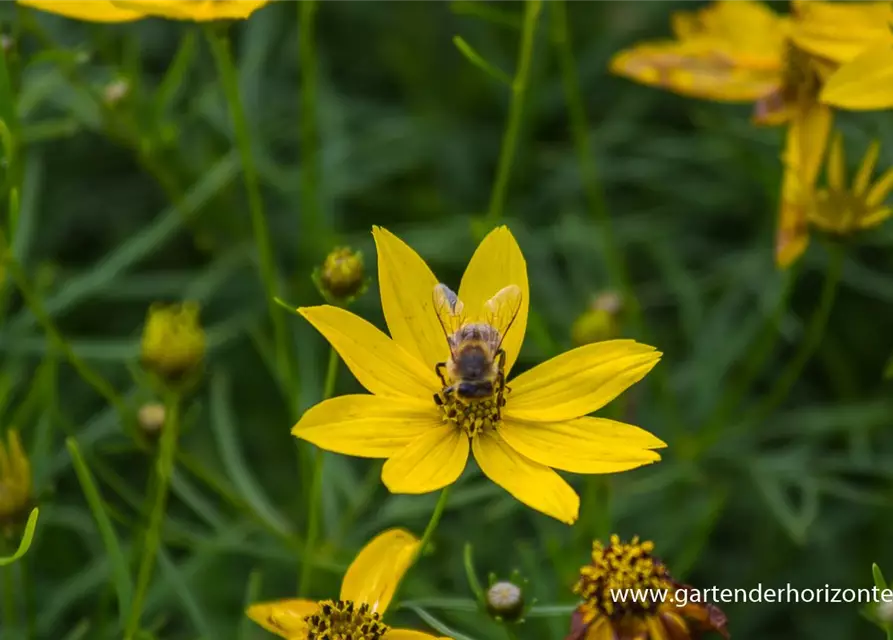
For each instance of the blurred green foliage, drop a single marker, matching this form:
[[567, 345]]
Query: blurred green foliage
[[131, 193]]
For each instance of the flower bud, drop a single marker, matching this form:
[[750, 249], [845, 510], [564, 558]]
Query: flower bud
[[505, 601], [599, 322], [15, 482], [173, 345], [115, 91], [151, 418], [884, 612], [341, 277]]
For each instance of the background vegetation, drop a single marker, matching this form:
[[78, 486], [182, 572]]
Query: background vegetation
[[136, 198]]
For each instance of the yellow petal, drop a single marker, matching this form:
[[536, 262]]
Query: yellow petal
[[376, 361], [96, 11], [866, 169], [749, 29], [584, 445], [407, 289], [805, 142], [374, 574], [579, 381], [865, 83], [880, 189], [875, 217], [198, 10], [839, 31], [409, 634], [367, 426], [497, 263], [837, 165], [285, 618], [695, 69], [429, 463], [535, 485]]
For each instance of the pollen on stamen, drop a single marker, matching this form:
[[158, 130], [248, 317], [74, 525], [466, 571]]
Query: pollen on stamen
[[472, 416], [345, 620], [616, 567]]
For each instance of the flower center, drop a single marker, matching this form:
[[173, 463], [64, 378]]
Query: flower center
[[838, 211], [343, 620], [472, 416], [800, 79], [617, 569]]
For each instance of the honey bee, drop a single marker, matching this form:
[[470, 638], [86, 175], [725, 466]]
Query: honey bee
[[476, 367]]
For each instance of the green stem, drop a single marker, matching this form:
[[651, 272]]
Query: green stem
[[226, 68], [28, 595], [432, 523], [164, 468], [91, 377], [316, 485], [516, 112], [9, 602], [753, 365], [814, 332], [311, 216]]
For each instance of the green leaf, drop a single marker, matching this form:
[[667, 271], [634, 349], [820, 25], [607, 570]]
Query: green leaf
[[478, 60], [795, 519], [471, 574], [436, 624], [25, 544], [879, 580], [225, 433], [120, 573]]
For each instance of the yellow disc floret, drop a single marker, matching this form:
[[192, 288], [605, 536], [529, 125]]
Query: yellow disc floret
[[616, 568], [344, 620], [472, 416]]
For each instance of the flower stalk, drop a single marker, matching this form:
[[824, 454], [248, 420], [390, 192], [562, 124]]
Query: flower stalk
[[226, 68], [811, 339], [516, 112], [311, 216], [316, 484], [164, 470]]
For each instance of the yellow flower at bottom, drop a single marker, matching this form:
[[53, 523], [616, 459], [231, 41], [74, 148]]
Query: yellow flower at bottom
[[609, 611], [198, 10], [15, 481], [841, 209], [92, 11], [366, 592], [426, 434]]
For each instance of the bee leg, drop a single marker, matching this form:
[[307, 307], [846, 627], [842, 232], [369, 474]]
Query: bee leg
[[438, 369], [500, 398], [438, 400]]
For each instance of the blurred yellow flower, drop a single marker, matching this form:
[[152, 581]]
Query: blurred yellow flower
[[741, 51], [15, 481], [865, 83], [173, 343], [198, 10], [366, 592], [842, 209], [426, 443], [92, 11], [621, 566]]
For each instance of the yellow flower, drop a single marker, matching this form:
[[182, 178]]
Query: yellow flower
[[173, 343], [865, 83], [93, 11], [426, 444], [366, 592], [15, 481], [741, 51], [843, 210], [630, 566], [198, 10]]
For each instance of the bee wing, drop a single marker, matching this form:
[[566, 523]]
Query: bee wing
[[501, 311], [450, 311]]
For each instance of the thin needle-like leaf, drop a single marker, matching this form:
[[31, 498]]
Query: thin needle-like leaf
[[25, 544]]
